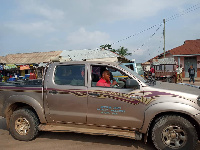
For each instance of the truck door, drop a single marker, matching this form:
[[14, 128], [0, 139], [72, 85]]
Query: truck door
[[66, 94], [117, 106]]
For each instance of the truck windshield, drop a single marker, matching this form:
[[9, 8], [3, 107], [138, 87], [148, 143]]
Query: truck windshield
[[133, 72]]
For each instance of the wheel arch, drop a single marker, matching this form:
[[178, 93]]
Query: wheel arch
[[17, 102], [186, 116], [157, 110]]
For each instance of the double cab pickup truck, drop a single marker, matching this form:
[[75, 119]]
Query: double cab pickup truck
[[68, 99]]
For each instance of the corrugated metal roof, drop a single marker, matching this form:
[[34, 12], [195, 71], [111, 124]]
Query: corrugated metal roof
[[79, 55], [27, 58], [74, 55], [2, 59], [189, 47], [146, 63]]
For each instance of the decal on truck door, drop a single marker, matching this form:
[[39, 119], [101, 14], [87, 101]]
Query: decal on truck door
[[108, 110]]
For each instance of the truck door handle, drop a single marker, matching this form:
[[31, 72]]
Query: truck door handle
[[95, 94], [53, 92]]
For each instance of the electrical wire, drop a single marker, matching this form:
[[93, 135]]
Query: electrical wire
[[184, 12], [150, 37], [173, 17]]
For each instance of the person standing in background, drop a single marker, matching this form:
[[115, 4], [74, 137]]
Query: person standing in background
[[35, 72], [152, 70], [32, 75], [191, 72], [179, 71]]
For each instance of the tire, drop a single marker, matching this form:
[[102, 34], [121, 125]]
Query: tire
[[173, 132], [23, 125]]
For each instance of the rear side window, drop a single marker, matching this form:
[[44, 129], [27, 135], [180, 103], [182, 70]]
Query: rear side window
[[70, 75]]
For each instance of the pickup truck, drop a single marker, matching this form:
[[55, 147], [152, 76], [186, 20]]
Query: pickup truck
[[67, 99]]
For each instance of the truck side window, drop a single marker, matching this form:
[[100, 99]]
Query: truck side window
[[115, 75], [70, 75]]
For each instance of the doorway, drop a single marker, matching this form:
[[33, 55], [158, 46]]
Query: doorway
[[188, 61]]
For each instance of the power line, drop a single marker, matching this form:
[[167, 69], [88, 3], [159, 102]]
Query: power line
[[150, 37], [135, 34], [173, 17], [184, 12], [193, 8]]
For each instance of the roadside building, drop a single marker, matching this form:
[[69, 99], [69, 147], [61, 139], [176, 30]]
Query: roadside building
[[146, 66], [21, 64], [187, 54]]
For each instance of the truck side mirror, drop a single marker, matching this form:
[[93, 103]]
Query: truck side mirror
[[132, 84]]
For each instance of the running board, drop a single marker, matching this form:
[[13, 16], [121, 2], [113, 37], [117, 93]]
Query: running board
[[92, 130]]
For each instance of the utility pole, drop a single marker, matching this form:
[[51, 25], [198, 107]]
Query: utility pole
[[164, 36]]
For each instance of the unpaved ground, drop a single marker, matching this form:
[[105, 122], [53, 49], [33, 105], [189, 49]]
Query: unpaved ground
[[69, 141]]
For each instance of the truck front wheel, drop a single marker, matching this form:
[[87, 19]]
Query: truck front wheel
[[174, 132], [24, 125]]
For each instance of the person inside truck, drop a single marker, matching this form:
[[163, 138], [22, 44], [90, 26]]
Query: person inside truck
[[105, 80]]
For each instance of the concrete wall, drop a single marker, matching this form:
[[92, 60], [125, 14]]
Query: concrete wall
[[198, 66], [182, 62]]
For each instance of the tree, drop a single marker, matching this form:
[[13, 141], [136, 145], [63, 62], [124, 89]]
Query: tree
[[106, 46], [123, 51]]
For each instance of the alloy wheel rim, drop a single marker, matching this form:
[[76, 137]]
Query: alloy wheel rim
[[174, 137], [22, 126]]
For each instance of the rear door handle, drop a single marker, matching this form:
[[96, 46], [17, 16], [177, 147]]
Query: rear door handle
[[53, 92], [95, 94]]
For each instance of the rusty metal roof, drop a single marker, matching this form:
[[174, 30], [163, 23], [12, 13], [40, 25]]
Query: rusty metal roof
[[146, 63], [27, 58], [189, 47]]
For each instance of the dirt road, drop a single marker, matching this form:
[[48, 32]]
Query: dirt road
[[69, 141]]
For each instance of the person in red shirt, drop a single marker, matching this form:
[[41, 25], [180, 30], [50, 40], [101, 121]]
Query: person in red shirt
[[152, 72], [32, 75], [105, 80]]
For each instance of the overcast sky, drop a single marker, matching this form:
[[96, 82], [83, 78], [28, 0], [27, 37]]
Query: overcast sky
[[49, 25]]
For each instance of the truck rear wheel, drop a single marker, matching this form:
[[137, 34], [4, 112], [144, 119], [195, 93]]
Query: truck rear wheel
[[174, 132], [24, 125]]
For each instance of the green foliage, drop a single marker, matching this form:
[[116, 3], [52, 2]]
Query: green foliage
[[121, 51], [106, 46]]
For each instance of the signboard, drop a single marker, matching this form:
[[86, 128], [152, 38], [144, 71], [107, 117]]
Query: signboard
[[9, 66], [24, 67]]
